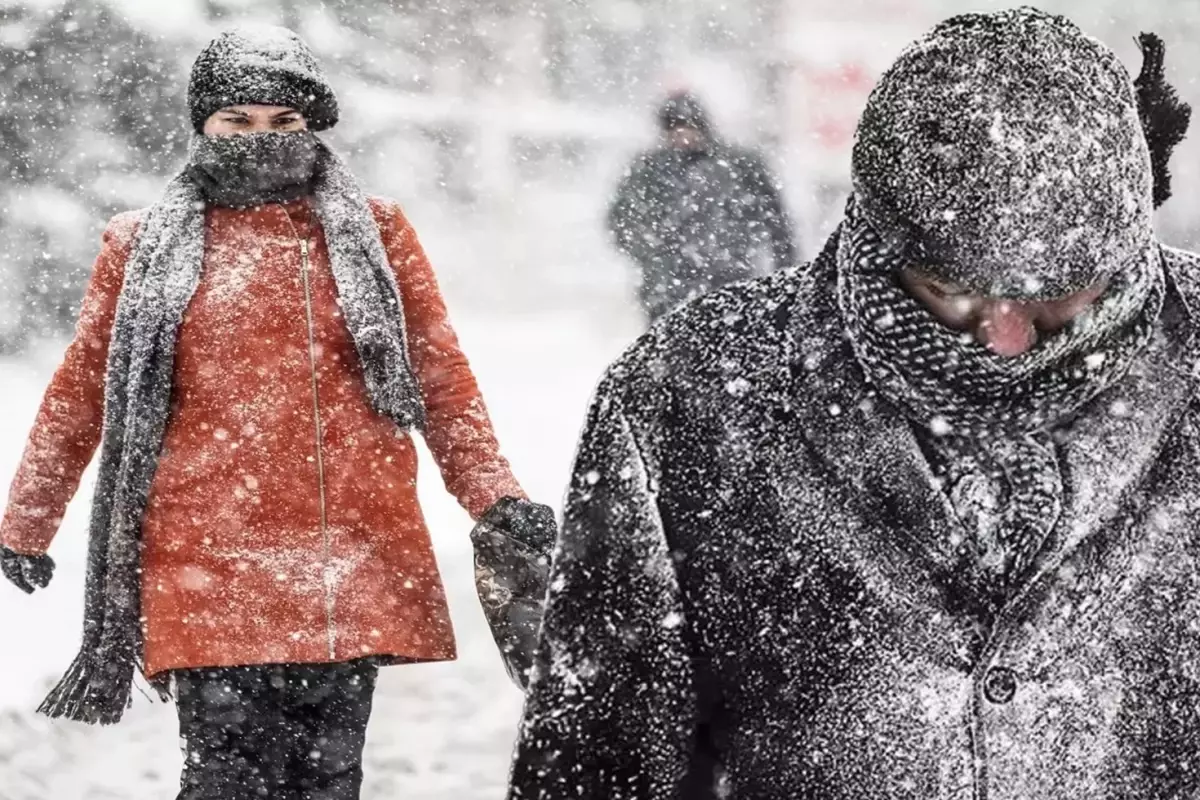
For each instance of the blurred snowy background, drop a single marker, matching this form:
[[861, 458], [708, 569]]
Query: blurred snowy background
[[502, 127]]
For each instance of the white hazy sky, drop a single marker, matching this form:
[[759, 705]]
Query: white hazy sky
[[159, 15]]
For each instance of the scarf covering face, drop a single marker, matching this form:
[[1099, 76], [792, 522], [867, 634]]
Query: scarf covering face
[[161, 275], [253, 169], [990, 417]]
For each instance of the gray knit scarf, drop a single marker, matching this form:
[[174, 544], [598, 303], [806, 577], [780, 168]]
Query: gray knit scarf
[[990, 418], [161, 275]]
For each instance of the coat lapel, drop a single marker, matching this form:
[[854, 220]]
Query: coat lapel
[[883, 505]]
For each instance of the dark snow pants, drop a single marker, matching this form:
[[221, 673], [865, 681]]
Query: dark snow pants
[[277, 732]]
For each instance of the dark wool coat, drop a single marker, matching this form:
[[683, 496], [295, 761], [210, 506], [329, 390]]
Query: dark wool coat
[[694, 221], [756, 571]]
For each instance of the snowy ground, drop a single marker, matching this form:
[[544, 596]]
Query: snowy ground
[[440, 731]]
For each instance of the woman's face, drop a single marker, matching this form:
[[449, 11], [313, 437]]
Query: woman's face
[[1006, 327], [234, 120]]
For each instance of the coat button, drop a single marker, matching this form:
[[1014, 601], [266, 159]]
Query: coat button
[[1000, 685]]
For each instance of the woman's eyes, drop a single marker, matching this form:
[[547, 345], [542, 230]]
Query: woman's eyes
[[286, 122]]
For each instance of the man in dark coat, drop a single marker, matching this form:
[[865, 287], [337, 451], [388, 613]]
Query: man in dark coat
[[697, 213], [920, 520]]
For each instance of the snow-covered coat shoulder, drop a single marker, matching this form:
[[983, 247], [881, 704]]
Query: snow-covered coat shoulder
[[732, 364], [756, 584], [121, 231], [123, 227]]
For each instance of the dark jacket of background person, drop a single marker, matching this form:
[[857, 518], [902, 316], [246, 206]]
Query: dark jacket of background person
[[693, 219]]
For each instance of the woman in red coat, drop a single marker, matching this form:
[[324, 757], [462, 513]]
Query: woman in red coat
[[251, 356]]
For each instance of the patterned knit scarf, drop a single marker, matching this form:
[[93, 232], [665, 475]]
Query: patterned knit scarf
[[987, 417], [161, 275]]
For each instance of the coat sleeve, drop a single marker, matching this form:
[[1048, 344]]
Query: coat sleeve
[[772, 210], [458, 429], [610, 713], [630, 217], [67, 429]]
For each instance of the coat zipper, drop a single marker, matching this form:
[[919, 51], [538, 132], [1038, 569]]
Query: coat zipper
[[327, 544]]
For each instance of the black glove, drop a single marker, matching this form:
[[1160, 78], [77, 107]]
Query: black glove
[[26, 572], [512, 544], [531, 524]]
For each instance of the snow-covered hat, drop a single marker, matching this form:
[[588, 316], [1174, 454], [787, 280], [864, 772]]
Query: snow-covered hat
[[261, 64], [1004, 153]]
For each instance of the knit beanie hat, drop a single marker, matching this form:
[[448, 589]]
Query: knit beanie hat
[[683, 110], [1004, 153], [263, 65]]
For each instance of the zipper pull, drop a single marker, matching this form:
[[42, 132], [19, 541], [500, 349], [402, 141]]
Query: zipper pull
[[304, 247]]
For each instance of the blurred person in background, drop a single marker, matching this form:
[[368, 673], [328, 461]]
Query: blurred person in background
[[922, 520], [696, 213], [252, 355]]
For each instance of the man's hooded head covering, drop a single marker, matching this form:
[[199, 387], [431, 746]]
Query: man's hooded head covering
[[1004, 152]]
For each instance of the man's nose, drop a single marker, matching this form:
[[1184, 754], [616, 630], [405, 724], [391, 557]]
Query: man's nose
[[1006, 328]]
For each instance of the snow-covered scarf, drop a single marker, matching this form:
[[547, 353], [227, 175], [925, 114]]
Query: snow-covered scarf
[[987, 416], [161, 275]]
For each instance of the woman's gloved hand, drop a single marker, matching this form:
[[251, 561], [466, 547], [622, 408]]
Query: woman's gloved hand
[[530, 523], [512, 543], [26, 572]]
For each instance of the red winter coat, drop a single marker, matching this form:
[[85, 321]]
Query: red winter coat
[[250, 554]]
